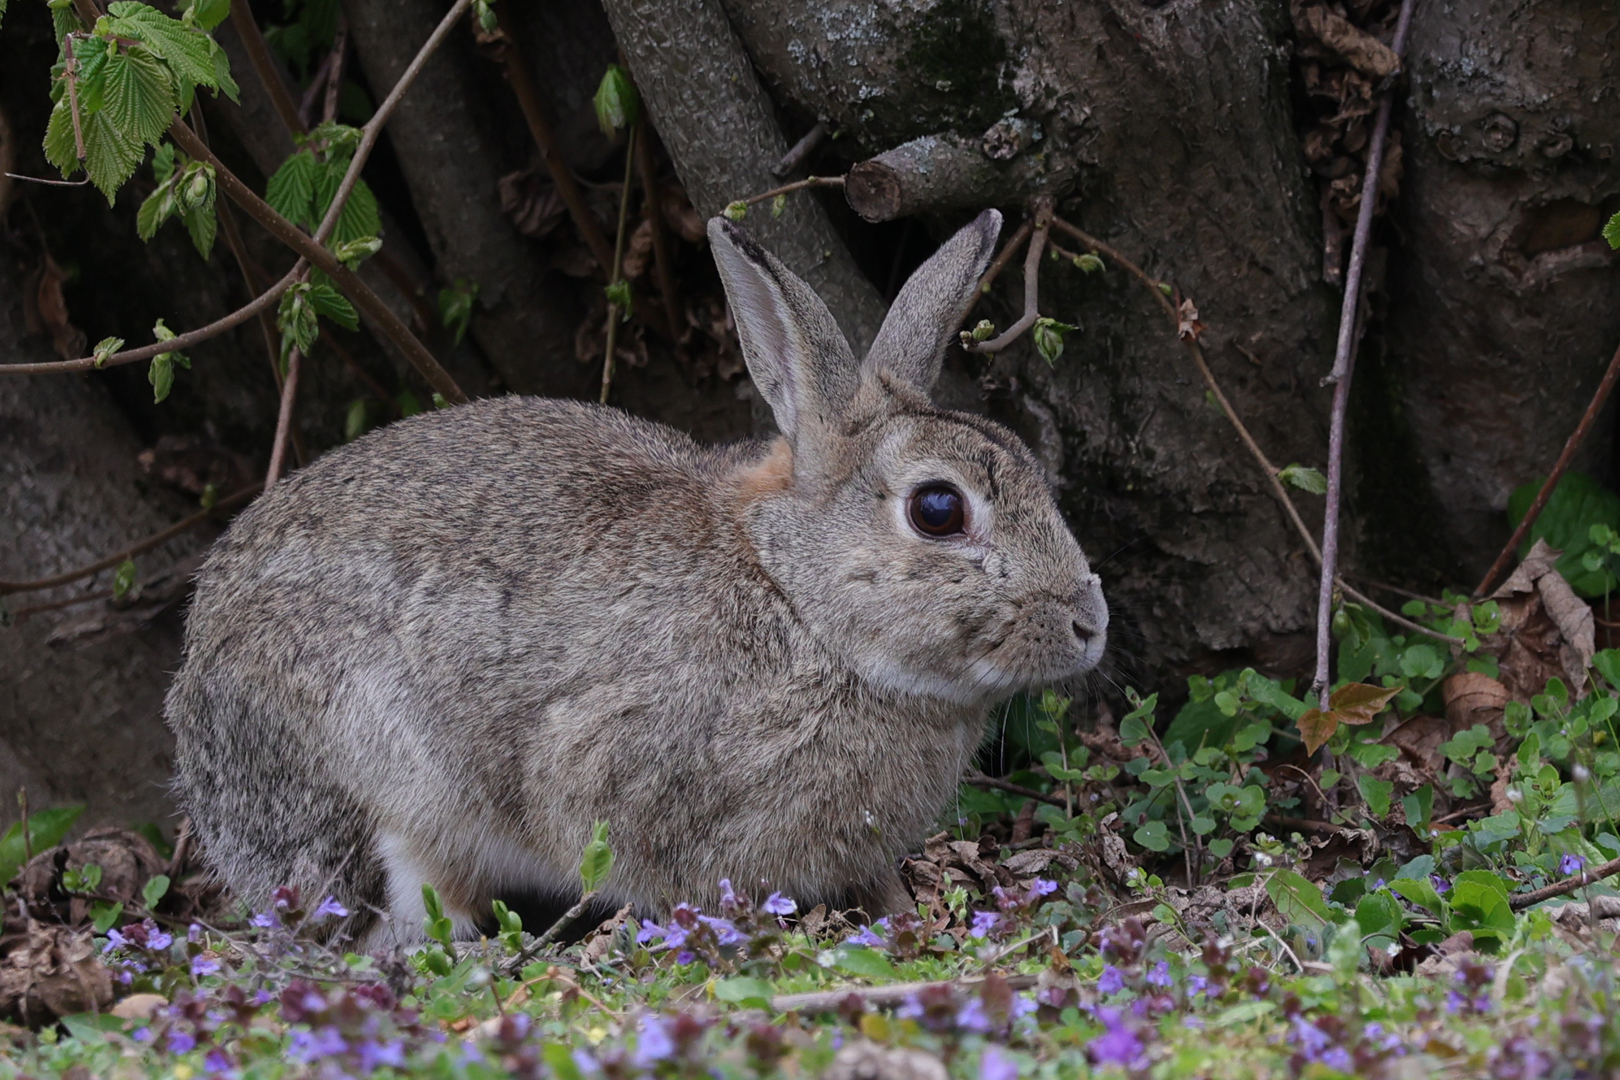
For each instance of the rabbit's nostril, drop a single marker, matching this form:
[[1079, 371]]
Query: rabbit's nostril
[[1083, 632]]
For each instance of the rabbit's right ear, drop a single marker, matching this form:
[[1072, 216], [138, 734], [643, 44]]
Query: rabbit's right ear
[[795, 352]]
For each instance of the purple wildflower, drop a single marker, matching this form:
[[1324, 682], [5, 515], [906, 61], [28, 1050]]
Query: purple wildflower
[[972, 1017], [1110, 981], [1118, 1044], [725, 931], [217, 1061], [158, 940], [1196, 984], [203, 964], [1160, 975], [308, 1046], [1041, 887], [727, 894], [685, 956], [869, 935], [649, 931], [777, 904], [180, 1042], [983, 923], [995, 1064], [1571, 864], [263, 920], [1441, 885], [373, 1054], [654, 1044], [115, 940], [330, 908], [194, 933], [141, 1034]]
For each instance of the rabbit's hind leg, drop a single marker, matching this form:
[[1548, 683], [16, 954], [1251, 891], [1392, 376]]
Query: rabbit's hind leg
[[405, 872]]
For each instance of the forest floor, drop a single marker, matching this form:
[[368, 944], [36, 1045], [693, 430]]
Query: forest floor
[[1186, 896]]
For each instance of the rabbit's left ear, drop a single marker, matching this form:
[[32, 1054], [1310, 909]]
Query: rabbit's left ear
[[923, 319]]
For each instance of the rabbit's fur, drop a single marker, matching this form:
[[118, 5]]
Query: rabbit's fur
[[439, 653]]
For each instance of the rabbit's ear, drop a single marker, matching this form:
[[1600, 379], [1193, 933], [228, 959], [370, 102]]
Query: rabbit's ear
[[796, 354], [924, 317]]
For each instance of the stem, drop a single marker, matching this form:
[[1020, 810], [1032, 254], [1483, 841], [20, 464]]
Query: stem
[[663, 267], [264, 65], [979, 779], [1571, 445], [551, 932], [797, 185], [1520, 901], [534, 113], [289, 394], [334, 76], [997, 265], [179, 527], [618, 256], [801, 150], [73, 99], [1344, 363], [1032, 283]]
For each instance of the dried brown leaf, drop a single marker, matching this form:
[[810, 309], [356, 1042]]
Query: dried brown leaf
[[1340, 37]]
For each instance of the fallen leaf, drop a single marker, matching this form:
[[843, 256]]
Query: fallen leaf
[[51, 305], [51, 971], [1187, 324], [1419, 740], [1339, 36], [1474, 698], [1354, 704], [139, 1006]]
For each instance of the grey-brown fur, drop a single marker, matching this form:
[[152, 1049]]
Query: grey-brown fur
[[441, 652]]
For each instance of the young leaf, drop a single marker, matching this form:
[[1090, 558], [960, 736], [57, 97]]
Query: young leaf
[[1049, 338], [155, 889], [123, 579], [163, 162], [157, 208], [291, 190], [596, 862], [139, 97], [736, 211], [1305, 478], [206, 14], [110, 156], [61, 149], [1297, 899], [1359, 703], [1611, 231], [104, 914], [359, 217], [45, 830], [1377, 793], [105, 348], [616, 101], [1088, 262], [185, 49], [456, 306], [334, 305]]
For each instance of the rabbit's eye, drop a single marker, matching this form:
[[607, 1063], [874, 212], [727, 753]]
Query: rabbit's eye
[[937, 510]]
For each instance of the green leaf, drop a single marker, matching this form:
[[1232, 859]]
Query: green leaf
[[1153, 836], [163, 162], [1479, 902], [1611, 231], [45, 830], [153, 892], [296, 319], [185, 49], [1418, 805], [157, 208], [1220, 848], [560, 1060], [1297, 899], [123, 579], [1088, 262], [61, 150], [161, 375], [207, 14], [754, 993], [736, 210], [139, 97], [618, 294], [291, 189], [456, 306], [105, 913], [1048, 335], [596, 861], [357, 420], [110, 156], [334, 305], [1380, 918], [1377, 793], [85, 879], [352, 253], [616, 101], [1305, 478], [359, 217], [201, 224], [105, 348], [859, 960], [1419, 892]]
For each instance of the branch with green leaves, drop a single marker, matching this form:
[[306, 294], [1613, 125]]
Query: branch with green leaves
[[126, 78]]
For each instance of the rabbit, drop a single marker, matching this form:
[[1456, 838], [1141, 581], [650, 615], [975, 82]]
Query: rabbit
[[439, 653]]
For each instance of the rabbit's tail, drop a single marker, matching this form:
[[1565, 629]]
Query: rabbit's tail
[[265, 807]]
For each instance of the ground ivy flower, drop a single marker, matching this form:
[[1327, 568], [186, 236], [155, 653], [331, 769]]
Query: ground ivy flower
[[330, 908], [1041, 887], [203, 964], [1571, 864], [180, 1042], [972, 1017], [309, 1046], [1110, 981], [996, 1064], [983, 923], [725, 931], [869, 936], [1118, 1044], [1160, 975], [777, 904], [653, 1044]]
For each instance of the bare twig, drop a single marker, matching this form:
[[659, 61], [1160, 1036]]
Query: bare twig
[[1567, 455], [334, 76], [801, 150], [517, 962], [264, 65], [1032, 283], [618, 260], [534, 114], [818, 1001], [182, 848], [663, 268], [797, 185], [289, 396], [979, 779], [236, 498], [1344, 362], [997, 265], [1520, 901]]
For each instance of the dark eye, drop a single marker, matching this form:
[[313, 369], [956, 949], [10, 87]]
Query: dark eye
[[937, 510]]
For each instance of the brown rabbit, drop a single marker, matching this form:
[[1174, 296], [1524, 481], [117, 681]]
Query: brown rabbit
[[439, 653]]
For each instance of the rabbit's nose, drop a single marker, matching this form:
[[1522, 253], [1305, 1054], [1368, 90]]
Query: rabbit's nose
[[1083, 632]]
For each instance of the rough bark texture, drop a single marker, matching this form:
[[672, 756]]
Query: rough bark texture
[[80, 722], [718, 125], [1502, 311], [1174, 124], [452, 160]]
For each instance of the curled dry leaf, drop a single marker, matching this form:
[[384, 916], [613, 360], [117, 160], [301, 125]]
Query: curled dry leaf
[[1355, 703], [50, 971], [1474, 698], [1546, 629], [1337, 36], [127, 860], [1187, 324]]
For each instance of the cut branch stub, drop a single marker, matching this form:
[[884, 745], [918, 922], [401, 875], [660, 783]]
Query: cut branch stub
[[935, 173]]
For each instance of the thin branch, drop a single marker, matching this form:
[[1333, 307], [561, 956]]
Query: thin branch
[[1032, 283], [1196, 352], [517, 962], [334, 77], [264, 65], [289, 397], [1520, 901], [801, 150], [534, 114], [618, 260], [1344, 363], [997, 265], [1571, 445], [818, 1001], [797, 185], [179, 527], [663, 266], [979, 779]]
